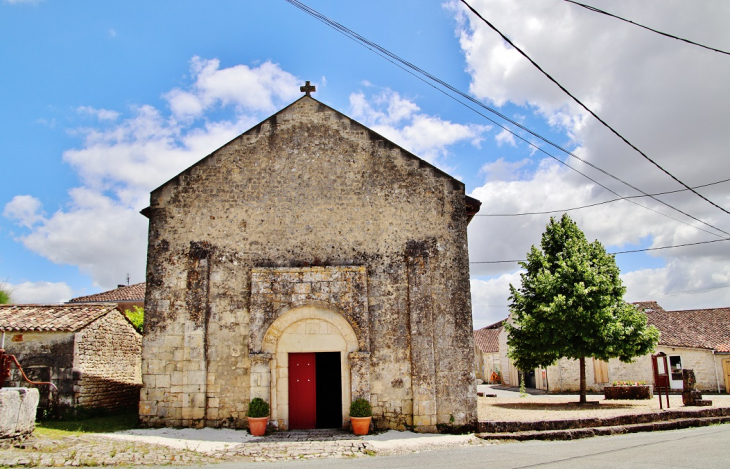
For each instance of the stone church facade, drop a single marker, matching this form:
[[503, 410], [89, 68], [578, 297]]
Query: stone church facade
[[309, 240]]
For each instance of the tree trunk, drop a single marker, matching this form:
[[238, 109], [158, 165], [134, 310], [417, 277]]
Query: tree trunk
[[582, 380]]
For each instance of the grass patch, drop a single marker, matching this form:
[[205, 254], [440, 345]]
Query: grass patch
[[106, 424]]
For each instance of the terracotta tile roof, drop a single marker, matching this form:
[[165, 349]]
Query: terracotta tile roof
[[697, 328], [51, 318], [124, 293], [487, 338]]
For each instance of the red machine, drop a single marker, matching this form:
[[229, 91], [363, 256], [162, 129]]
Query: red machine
[[5, 362]]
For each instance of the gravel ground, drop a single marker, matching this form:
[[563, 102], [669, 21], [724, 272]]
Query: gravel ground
[[510, 407]]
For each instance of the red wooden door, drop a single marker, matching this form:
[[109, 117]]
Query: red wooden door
[[302, 391]]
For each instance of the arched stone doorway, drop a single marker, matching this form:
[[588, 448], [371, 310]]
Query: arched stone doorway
[[306, 329]]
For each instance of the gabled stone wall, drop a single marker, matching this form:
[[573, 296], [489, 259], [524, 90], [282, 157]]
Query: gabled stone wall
[[107, 364], [308, 188]]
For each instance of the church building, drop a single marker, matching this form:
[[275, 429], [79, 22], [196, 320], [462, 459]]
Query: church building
[[309, 262]]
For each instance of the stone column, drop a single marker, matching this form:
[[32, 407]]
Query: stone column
[[261, 375], [423, 363], [360, 374]]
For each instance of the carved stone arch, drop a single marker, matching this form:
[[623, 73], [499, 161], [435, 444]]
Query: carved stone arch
[[308, 312], [305, 329]]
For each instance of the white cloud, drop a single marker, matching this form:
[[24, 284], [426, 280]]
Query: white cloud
[[648, 88], [20, 2], [398, 119], [502, 170], [490, 298], [101, 114], [248, 89], [38, 292], [112, 33], [505, 136], [25, 210], [100, 230]]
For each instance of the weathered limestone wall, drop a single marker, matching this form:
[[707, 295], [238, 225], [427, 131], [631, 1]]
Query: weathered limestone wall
[[45, 356], [308, 187], [107, 366], [564, 377]]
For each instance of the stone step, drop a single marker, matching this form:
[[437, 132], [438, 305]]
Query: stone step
[[577, 433], [622, 420]]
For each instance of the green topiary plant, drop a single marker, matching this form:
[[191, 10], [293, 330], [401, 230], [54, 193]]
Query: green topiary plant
[[360, 408], [258, 408]]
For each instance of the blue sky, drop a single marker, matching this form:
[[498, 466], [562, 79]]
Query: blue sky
[[103, 101]]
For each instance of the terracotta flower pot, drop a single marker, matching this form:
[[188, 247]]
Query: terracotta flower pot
[[360, 425], [257, 425]]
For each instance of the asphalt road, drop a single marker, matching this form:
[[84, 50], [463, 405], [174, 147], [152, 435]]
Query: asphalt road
[[706, 447]]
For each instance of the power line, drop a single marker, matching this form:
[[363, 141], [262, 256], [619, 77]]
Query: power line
[[407, 67], [690, 292], [580, 103], [592, 8], [615, 253], [592, 205]]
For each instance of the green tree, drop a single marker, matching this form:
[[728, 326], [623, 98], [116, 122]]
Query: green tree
[[5, 297], [570, 304], [136, 317]]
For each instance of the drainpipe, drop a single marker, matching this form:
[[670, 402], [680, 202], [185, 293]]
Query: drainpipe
[[714, 362]]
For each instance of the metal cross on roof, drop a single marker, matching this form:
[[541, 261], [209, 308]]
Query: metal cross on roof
[[307, 88]]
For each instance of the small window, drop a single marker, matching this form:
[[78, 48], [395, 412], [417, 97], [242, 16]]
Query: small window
[[675, 366]]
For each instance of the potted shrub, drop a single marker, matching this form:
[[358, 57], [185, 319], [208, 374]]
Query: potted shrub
[[258, 416], [360, 416]]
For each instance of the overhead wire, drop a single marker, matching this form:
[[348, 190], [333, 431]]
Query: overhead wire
[[580, 103], [548, 212], [672, 36], [397, 61], [514, 261]]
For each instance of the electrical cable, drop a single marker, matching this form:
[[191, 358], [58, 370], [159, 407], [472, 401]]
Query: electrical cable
[[597, 10], [615, 253], [387, 55], [593, 205], [580, 103]]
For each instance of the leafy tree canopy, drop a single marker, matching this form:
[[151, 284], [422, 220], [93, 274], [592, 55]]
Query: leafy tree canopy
[[5, 297], [570, 304]]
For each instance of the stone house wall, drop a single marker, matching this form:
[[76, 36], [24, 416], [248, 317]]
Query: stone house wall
[[485, 364], [44, 356], [107, 364], [97, 367], [308, 188]]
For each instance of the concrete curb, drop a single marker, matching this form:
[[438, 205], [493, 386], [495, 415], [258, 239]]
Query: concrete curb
[[622, 420], [578, 433]]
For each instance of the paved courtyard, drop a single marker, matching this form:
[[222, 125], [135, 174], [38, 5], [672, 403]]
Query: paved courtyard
[[208, 446], [509, 406]]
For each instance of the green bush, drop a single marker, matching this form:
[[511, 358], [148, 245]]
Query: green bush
[[360, 408], [258, 408], [136, 317]]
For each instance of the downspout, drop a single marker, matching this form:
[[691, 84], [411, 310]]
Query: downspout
[[714, 362]]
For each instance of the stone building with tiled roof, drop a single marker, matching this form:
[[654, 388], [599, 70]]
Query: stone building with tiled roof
[[309, 243], [125, 296], [486, 352], [692, 339], [91, 352]]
